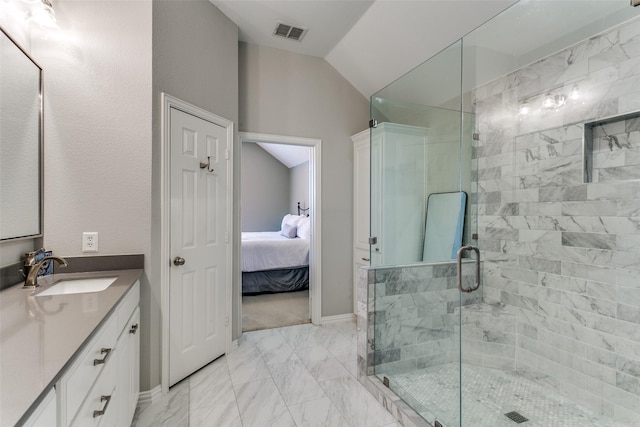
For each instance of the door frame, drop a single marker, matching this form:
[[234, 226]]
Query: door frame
[[169, 102], [315, 250]]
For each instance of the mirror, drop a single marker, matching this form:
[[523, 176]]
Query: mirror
[[444, 226], [20, 143]]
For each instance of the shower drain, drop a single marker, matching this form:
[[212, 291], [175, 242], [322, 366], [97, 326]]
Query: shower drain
[[517, 417]]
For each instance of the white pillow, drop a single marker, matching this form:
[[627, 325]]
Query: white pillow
[[291, 220], [289, 231], [304, 228]]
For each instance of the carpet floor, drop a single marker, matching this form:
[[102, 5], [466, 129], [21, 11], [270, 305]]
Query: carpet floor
[[269, 311]]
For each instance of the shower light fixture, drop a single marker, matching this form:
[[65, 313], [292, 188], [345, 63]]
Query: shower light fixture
[[553, 102]]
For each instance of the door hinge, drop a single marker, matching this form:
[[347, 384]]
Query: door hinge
[[373, 240], [373, 123]]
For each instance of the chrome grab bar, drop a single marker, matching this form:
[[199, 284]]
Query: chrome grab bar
[[460, 252]]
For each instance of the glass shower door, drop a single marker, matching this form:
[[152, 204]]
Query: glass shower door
[[418, 222]]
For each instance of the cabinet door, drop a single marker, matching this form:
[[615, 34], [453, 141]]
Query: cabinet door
[[134, 364], [361, 206], [45, 414], [128, 369]]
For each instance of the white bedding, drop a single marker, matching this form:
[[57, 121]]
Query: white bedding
[[268, 250]]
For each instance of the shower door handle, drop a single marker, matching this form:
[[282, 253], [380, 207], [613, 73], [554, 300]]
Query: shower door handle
[[460, 252]]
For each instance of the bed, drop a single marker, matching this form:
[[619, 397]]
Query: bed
[[276, 261]]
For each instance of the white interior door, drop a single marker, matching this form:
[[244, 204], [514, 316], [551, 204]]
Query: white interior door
[[199, 239]]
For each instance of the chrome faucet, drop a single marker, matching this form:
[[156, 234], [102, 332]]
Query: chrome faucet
[[31, 266]]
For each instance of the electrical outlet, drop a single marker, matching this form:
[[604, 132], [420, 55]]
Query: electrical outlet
[[90, 241]]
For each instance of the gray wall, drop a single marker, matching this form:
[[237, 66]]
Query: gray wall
[[283, 93], [299, 177], [265, 189], [195, 58], [98, 138]]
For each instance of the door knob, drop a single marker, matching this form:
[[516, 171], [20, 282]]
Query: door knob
[[178, 261]]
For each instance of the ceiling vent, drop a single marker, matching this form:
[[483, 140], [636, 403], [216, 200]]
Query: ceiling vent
[[289, 31]]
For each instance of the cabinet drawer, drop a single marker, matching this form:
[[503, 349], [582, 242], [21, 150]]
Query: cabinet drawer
[[128, 304], [98, 406], [77, 382]]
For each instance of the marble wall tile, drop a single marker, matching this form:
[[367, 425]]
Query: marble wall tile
[[589, 240]]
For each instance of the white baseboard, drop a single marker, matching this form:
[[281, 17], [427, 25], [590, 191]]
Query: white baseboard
[[339, 318], [146, 398]]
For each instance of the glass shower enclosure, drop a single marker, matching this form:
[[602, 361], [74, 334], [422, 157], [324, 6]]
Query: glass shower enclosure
[[505, 212]]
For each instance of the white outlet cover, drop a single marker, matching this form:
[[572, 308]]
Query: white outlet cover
[[90, 241]]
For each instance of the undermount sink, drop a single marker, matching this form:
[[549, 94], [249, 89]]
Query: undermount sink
[[79, 286]]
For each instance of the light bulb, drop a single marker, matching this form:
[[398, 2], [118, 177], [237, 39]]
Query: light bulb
[[575, 93], [548, 101]]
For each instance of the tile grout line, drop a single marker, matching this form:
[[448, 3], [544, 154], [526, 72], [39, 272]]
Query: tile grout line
[[233, 387], [280, 391]]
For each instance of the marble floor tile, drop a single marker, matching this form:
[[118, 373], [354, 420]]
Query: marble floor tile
[[171, 410], [355, 403], [302, 375], [301, 336], [261, 405], [295, 383], [321, 364], [273, 347], [317, 413], [246, 364], [212, 400]]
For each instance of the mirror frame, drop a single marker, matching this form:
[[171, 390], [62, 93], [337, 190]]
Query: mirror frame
[[40, 232]]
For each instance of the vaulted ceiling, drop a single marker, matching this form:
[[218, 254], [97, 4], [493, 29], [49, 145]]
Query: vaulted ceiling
[[369, 42]]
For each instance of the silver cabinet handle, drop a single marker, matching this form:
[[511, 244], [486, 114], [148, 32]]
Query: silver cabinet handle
[[178, 261], [134, 329], [460, 252], [365, 259], [106, 352], [107, 400]]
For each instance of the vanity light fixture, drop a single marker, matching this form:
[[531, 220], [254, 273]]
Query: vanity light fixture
[[524, 109], [41, 13]]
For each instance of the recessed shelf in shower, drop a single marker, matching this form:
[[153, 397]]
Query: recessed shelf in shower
[[612, 149]]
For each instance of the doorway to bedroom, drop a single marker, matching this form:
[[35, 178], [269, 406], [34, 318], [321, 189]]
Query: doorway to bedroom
[[279, 222]]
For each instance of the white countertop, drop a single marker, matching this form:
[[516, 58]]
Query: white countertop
[[40, 335]]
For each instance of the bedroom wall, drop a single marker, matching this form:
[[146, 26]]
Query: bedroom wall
[[265, 189], [195, 58], [299, 178], [283, 93]]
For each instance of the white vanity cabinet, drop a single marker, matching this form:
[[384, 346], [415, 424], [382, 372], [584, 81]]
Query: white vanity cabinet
[[45, 414], [128, 380], [100, 388]]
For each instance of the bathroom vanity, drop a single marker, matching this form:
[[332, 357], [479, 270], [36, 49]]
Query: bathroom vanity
[[70, 359]]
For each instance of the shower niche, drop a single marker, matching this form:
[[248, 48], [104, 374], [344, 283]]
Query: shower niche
[[612, 149]]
